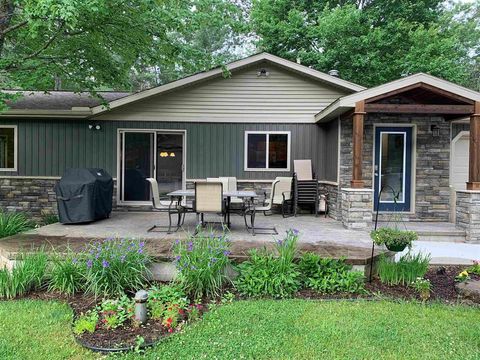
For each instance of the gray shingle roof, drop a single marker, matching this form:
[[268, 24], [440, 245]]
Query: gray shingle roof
[[59, 100]]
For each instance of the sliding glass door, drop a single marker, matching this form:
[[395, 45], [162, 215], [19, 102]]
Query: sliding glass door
[[149, 153]]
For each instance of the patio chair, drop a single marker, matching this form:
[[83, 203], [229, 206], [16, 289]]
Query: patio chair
[[167, 206], [252, 209], [305, 185], [209, 199], [282, 196]]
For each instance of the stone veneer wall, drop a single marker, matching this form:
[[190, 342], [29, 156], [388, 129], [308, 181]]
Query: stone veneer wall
[[432, 193], [468, 214], [334, 199], [33, 196], [357, 208]]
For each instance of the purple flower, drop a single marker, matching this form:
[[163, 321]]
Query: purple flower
[[226, 253], [190, 246], [105, 263], [280, 242], [140, 251], [177, 241], [122, 258], [212, 260], [89, 263], [295, 232], [177, 258], [75, 260]]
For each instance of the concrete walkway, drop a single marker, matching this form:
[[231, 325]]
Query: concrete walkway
[[445, 253]]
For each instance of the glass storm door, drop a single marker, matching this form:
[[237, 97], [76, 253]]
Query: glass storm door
[[392, 168], [145, 154]]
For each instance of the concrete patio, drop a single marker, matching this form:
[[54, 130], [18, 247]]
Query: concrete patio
[[324, 236]]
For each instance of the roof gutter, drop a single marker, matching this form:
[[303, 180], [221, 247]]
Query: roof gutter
[[74, 113]]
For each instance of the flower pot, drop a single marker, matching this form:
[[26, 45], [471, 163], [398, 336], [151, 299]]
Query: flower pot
[[396, 247]]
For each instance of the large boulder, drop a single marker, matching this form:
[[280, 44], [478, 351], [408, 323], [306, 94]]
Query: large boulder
[[469, 290]]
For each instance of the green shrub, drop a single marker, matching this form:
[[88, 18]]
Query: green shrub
[[405, 271], [328, 275], [393, 237], [86, 323], [13, 223], [48, 218], [67, 275], [201, 260], [114, 266], [27, 275], [265, 274], [160, 298]]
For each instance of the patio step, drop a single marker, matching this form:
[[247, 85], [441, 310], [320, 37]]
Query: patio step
[[455, 236]]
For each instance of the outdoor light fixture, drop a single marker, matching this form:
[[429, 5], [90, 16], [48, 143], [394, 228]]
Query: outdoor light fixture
[[96, 127], [263, 73], [435, 130], [163, 154], [172, 154]]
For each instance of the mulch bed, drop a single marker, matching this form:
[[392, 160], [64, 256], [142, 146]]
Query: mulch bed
[[443, 290]]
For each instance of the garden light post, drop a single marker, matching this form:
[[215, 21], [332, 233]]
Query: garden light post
[[141, 306]]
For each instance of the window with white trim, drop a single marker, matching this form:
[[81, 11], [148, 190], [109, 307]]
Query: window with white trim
[[267, 150], [8, 147]]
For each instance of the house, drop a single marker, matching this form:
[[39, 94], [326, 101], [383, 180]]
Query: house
[[404, 146]]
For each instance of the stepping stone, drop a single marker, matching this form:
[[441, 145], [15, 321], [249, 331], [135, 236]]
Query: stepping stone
[[469, 290]]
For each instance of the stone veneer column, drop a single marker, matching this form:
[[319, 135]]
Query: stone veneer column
[[468, 214], [357, 208]]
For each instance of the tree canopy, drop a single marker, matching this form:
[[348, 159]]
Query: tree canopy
[[134, 44], [374, 41], [96, 44]]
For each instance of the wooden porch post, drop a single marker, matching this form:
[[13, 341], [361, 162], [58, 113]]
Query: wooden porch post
[[358, 119], [474, 155]]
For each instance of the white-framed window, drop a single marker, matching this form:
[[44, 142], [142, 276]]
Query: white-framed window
[[8, 148], [267, 150]]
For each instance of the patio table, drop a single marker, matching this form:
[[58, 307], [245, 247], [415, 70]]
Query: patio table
[[179, 194]]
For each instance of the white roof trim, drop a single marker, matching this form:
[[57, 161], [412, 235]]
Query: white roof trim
[[348, 102], [303, 70]]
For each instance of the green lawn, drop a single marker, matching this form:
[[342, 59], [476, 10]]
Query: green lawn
[[269, 330]]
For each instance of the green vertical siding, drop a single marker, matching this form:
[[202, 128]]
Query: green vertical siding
[[48, 147]]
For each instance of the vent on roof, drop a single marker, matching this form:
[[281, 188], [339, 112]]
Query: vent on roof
[[262, 73], [334, 72]]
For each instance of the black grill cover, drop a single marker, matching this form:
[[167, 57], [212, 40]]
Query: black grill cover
[[84, 195]]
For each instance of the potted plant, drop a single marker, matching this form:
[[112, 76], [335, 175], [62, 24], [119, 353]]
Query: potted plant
[[393, 238]]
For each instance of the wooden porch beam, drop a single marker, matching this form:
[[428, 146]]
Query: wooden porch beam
[[358, 121], [420, 109], [474, 153]]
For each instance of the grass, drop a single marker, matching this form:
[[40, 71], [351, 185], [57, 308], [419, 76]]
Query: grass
[[268, 329], [38, 330]]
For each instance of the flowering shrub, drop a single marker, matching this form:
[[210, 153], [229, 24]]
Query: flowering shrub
[[114, 313], [161, 298], [463, 276], [114, 266], [423, 287], [265, 274], [201, 260]]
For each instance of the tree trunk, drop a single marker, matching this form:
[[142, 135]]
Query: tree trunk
[[6, 13]]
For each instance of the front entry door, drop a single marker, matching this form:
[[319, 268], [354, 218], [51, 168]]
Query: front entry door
[[150, 153], [393, 168]]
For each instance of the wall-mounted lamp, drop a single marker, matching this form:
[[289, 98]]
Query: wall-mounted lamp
[[263, 73], [95, 127], [435, 130]]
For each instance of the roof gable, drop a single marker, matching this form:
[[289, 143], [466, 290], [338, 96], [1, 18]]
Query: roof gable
[[234, 66], [448, 88]]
